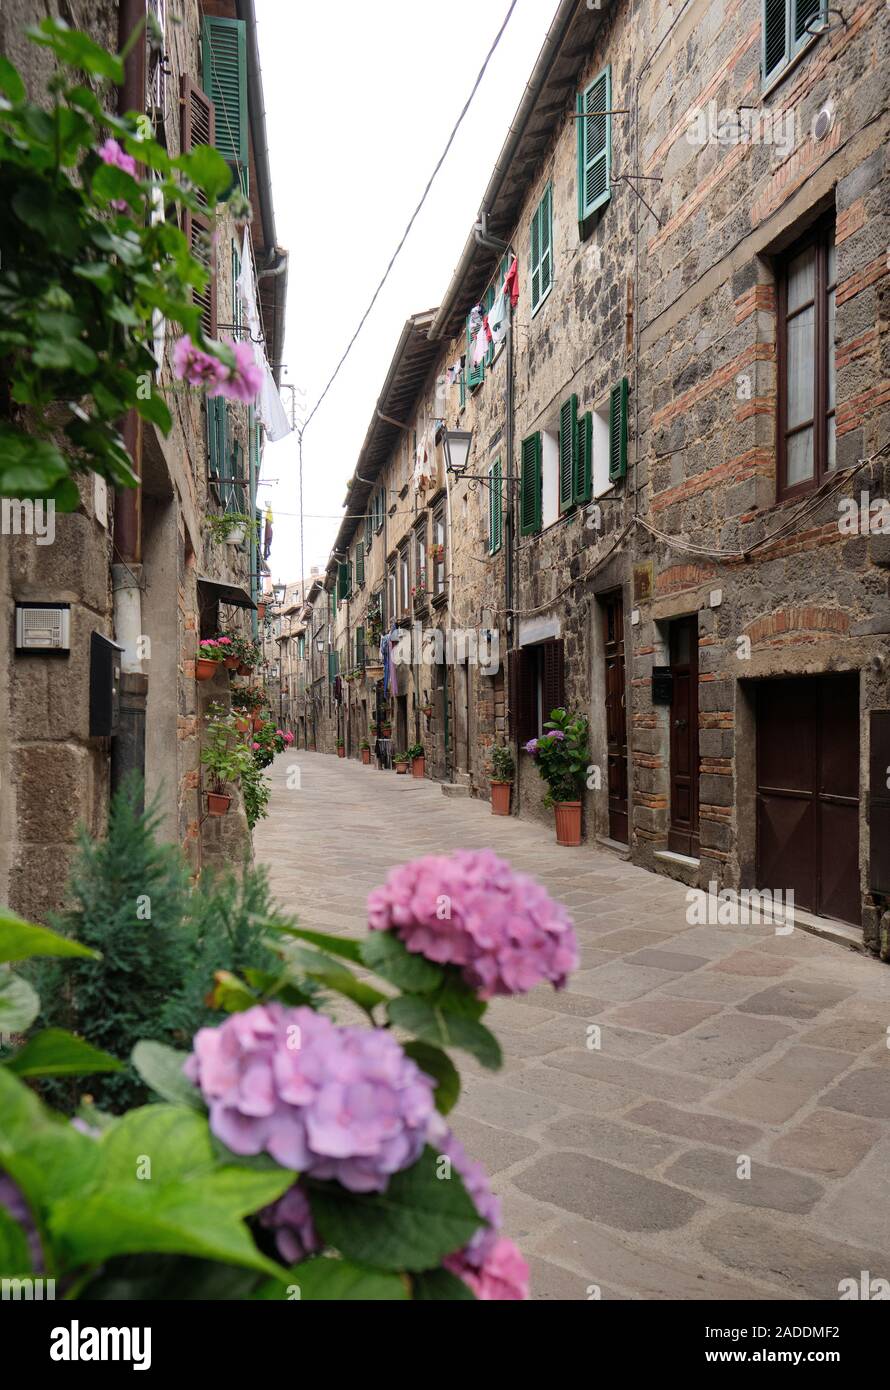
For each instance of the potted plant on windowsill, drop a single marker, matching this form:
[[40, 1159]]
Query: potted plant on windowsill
[[211, 655], [401, 762], [503, 770], [366, 751], [225, 758], [415, 755], [562, 756]]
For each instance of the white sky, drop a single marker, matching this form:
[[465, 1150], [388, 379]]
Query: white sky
[[360, 99]]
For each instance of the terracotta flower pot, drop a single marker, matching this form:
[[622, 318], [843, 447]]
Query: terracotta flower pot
[[205, 670], [418, 766], [257, 722], [568, 822], [242, 669], [341, 752], [401, 769], [386, 731], [217, 803], [242, 725], [366, 755], [232, 663], [500, 798]]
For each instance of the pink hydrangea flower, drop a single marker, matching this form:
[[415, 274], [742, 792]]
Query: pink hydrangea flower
[[291, 1220], [112, 153], [241, 382], [470, 909], [330, 1101], [502, 1277], [194, 366], [255, 747], [288, 738]]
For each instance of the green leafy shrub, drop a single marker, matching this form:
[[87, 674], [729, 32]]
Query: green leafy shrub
[[130, 897], [562, 755]]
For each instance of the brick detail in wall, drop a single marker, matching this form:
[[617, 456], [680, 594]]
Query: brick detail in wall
[[788, 620]]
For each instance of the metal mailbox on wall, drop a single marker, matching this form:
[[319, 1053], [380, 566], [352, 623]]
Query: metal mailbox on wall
[[105, 682], [662, 685]]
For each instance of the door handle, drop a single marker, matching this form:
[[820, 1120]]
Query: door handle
[[680, 723]]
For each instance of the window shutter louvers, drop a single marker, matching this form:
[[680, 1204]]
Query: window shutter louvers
[[618, 431], [805, 11], [568, 452], [541, 248], [359, 562], [530, 486], [224, 70], [553, 693], [594, 145], [198, 128], [584, 473], [474, 375], [342, 581], [495, 514]]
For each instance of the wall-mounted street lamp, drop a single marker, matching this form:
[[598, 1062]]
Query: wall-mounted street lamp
[[457, 450]]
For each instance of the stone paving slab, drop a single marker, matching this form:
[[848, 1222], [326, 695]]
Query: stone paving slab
[[617, 1164]]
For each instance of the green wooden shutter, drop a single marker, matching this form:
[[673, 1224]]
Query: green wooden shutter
[[594, 146], [359, 562], [218, 443], [618, 431], [541, 248], [495, 507], [584, 471], [343, 581], [568, 452], [360, 646], [474, 375], [236, 472], [369, 530], [530, 486], [224, 75]]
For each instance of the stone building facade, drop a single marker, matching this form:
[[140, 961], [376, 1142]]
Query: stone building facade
[[158, 582], [683, 434]]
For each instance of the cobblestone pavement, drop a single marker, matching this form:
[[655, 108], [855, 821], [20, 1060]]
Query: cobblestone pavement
[[619, 1167]]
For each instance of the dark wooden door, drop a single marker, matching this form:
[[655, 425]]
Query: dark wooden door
[[808, 792], [616, 716], [683, 830]]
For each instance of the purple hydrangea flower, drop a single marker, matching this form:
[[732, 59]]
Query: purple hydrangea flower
[[531, 746], [12, 1199], [291, 1220], [471, 910], [556, 734], [329, 1101]]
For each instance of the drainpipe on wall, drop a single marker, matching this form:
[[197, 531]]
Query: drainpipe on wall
[[509, 556], [128, 745]]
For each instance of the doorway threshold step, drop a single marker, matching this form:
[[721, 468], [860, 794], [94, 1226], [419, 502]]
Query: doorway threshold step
[[672, 857], [830, 929], [455, 789]]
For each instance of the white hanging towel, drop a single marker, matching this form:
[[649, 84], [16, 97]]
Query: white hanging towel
[[480, 347], [499, 317], [269, 406]]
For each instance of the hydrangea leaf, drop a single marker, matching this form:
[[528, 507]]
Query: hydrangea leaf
[[55, 1052], [388, 956], [21, 940], [15, 1254], [160, 1067], [431, 1023], [19, 1003], [413, 1225], [183, 1204], [343, 946], [337, 1281], [439, 1285], [438, 1065]]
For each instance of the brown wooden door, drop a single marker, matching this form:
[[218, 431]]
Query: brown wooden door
[[808, 792], [616, 716], [683, 830]]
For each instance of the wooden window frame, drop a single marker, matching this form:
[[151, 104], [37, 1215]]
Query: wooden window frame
[[821, 235]]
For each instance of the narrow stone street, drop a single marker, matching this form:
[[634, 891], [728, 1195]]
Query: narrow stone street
[[625, 1167]]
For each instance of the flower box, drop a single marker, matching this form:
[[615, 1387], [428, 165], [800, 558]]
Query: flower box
[[218, 804], [205, 669]]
